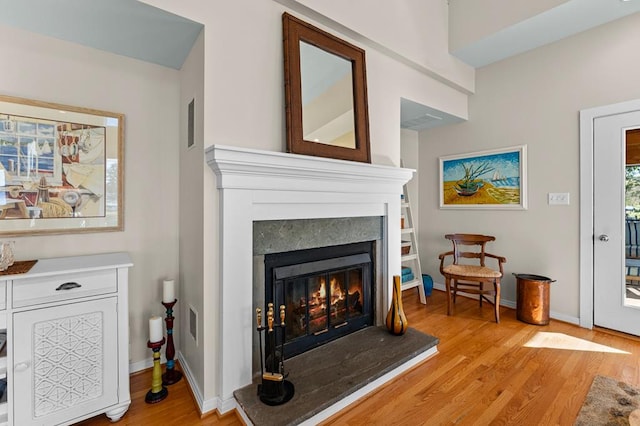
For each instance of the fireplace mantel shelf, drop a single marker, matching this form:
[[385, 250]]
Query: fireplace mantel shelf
[[244, 168]]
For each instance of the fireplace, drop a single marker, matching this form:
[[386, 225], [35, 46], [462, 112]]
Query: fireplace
[[257, 186], [327, 292]]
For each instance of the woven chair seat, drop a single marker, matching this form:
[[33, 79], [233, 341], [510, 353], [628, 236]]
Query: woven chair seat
[[471, 271]]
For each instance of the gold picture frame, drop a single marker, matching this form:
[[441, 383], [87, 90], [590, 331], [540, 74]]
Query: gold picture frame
[[493, 179], [61, 168]]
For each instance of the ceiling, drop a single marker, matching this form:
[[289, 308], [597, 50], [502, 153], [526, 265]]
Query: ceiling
[[569, 18], [125, 27], [135, 29], [415, 116], [564, 20]]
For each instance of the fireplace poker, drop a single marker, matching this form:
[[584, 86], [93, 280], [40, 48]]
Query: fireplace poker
[[260, 328], [282, 338], [271, 337]]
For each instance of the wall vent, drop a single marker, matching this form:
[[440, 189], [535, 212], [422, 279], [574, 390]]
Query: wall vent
[[193, 323], [420, 123]]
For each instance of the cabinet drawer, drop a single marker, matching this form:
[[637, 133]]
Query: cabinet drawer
[[33, 291]]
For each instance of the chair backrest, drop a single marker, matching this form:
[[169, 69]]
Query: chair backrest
[[479, 241]]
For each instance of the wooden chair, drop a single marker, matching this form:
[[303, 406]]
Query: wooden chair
[[471, 278]]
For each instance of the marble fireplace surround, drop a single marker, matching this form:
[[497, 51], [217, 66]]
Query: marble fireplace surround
[[259, 185]]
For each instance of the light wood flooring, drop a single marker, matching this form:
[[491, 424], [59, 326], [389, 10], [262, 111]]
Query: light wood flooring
[[483, 374]]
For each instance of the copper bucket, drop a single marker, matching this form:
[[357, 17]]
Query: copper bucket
[[533, 298]]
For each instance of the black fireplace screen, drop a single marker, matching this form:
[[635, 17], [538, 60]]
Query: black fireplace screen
[[327, 293]]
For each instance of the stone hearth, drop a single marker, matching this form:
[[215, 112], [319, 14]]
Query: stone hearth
[[332, 373]]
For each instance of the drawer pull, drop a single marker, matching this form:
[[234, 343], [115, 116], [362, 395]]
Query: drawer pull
[[68, 286]]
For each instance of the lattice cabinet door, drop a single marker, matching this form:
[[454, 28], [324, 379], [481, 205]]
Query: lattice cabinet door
[[65, 357]]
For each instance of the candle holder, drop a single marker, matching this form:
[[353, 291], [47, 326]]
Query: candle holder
[[171, 375], [157, 392]]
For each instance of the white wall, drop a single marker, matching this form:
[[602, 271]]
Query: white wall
[[409, 153], [533, 99], [191, 294], [417, 30], [46, 69], [473, 20]]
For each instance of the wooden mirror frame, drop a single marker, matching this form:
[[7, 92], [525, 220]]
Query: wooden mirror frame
[[294, 31]]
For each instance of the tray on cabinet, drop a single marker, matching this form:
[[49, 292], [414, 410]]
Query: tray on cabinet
[[19, 267]]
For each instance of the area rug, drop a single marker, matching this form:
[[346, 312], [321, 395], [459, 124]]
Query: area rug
[[610, 402]]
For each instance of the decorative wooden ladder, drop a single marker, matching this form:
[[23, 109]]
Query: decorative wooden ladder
[[412, 259]]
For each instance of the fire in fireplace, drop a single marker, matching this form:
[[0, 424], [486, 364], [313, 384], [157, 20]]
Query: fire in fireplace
[[327, 292]]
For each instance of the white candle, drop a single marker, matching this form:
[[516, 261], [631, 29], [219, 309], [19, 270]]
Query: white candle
[[155, 329], [168, 291]]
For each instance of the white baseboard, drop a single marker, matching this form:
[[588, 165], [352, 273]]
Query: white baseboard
[[207, 405], [565, 318], [204, 405], [134, 367], [226, 405], [512, 304]]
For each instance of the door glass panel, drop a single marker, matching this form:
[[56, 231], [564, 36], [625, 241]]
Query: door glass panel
[[632, 219]]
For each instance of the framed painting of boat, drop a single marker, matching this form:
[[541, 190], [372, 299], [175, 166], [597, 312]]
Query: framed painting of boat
[[495, 179]]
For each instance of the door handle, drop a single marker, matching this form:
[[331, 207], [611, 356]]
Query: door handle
[[604, 238]]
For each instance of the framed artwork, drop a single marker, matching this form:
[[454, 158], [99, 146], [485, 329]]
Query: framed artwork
[[60, 168], [495, 179]]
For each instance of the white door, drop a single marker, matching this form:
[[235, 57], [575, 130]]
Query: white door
[[612, 309]]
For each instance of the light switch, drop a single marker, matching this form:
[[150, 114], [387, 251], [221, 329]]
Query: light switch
[[559, 198]]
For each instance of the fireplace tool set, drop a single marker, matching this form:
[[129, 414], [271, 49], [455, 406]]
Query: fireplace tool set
[[274, 390]]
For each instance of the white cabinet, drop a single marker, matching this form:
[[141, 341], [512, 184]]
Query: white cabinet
[[67, 340]]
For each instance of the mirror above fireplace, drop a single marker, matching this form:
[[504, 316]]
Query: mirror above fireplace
[[325, 91]]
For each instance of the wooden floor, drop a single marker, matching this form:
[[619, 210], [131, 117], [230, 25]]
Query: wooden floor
[[483, 374]]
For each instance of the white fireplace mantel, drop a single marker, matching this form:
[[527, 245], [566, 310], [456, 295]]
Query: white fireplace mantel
[[262, 185]]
